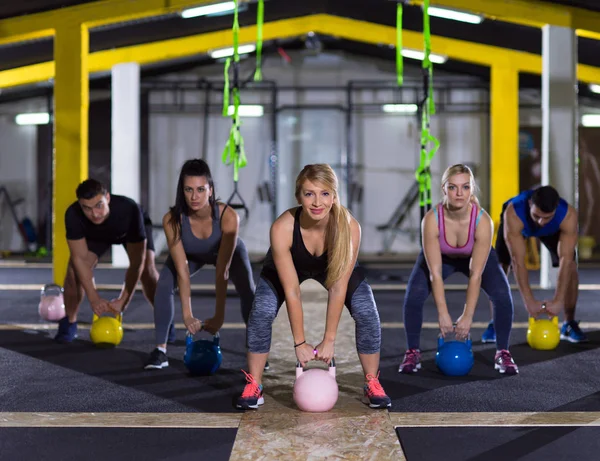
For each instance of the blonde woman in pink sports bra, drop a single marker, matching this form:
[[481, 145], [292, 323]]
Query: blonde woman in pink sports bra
[[457, 237]]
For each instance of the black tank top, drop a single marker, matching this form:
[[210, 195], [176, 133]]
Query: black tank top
[[306, 264], [203, 251]]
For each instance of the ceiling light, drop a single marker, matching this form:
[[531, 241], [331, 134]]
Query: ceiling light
[[420, 55], [41, 118], [206, 10], [247, 110], [594, 88], [454, 15], [400, 108], [590, 120], [226, 52]]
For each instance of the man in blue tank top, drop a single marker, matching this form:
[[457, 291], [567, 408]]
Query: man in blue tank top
[[541, 213]]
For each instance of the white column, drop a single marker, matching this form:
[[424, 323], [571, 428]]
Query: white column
[[125, 160], [559, 124]]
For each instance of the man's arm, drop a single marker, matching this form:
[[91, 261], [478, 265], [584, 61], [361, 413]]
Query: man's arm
[[137, 255], [78, 249], [566, 253], [518, 250]]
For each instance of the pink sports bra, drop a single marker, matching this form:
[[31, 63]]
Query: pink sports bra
[[467, 248]]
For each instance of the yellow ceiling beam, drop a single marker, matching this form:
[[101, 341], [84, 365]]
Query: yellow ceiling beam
[[165, 50], [350, 29], [531, 13], [377, 34], [92, 14]]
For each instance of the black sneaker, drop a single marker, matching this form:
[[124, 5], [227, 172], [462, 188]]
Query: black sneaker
[[158, 359], [267, 366], [67, 331]]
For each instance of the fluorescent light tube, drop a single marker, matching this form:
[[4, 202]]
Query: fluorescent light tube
[[41, 118], [400, 108], [208, 9], [454, 15], [420, 55], [590, 120], [247, 110], [226, 52], [594, 88]]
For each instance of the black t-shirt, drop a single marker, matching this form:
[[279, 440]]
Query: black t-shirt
[[125, 223]]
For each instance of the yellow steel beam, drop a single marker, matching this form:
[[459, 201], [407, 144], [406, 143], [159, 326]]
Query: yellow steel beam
[[165, 50], [197, 44], [504, 145], [378, 34], [71, 103], [91, 14], [12, 31], [27, 75], [532, 13], [351, 29]]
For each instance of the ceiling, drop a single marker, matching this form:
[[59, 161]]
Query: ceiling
[[490, 32]]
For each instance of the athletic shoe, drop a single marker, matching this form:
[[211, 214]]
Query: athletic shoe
[[252, 396], [411, 362]]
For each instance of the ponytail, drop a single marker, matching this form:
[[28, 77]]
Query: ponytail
[[339, 243]]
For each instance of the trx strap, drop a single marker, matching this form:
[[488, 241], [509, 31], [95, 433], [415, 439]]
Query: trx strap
[[399, 58], [234, 152], [260, 18], [423, 173]]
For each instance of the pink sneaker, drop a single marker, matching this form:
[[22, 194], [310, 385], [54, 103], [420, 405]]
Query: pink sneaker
[[411, 362], [252, 397], [504, 363], [374, 395]]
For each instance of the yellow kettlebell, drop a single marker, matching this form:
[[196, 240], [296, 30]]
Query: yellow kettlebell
[[107, 331], [543, 334]]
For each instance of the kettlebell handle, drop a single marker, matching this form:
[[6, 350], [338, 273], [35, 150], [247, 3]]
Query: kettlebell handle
[[189, 338], [52, 286], [119, 317], [441, 339], [300, 370]]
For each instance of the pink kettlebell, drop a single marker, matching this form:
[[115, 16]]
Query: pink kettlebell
[[315, 390], [52, 304]]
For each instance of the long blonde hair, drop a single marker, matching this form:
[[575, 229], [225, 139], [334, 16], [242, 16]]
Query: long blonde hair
[[460, 168], [337, 234]]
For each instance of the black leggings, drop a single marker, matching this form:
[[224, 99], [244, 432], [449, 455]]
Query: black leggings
[[493, 282]]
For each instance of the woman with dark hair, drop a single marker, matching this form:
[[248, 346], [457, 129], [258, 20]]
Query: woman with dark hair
[[199, 230]]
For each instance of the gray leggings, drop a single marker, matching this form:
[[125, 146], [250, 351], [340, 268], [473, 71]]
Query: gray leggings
[[240, 273], [362, 308]]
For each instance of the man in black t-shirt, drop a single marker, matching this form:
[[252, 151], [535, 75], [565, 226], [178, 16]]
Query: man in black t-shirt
[[95, 222]]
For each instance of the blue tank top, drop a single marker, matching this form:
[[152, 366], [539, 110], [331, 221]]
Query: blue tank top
[[530, 228], [203, 251]]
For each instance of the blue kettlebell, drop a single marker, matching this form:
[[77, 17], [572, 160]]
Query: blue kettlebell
[[454, 358], [202, 357]]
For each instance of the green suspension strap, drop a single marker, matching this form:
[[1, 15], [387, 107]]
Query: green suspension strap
[[423, 173], [260, 18], [234, 148], [399, 58]]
